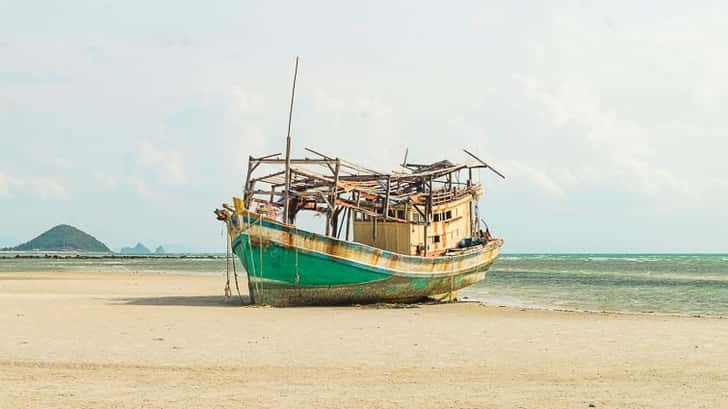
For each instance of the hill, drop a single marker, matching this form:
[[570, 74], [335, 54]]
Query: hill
[[138, 249], [63, 237]]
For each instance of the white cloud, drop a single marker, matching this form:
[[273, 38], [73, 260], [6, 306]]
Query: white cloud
[[540, 179], [40, 187], [167, 164], [617, 150]]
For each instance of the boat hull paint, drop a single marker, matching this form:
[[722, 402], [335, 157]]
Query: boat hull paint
[[287, 266]]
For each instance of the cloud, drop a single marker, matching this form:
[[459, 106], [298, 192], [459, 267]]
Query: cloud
[[614, 149], [40, 187], [168, 165], [364, 120], [540, 179]]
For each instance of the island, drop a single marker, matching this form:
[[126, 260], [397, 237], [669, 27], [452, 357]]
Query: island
[[138, 249], [63, 238]]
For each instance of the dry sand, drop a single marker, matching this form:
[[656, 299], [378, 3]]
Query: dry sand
[[76, 340]]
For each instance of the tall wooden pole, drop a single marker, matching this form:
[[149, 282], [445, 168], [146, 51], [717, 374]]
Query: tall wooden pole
[[287, 195]]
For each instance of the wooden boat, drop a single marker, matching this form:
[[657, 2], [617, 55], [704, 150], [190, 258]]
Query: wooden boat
[[389, 236]]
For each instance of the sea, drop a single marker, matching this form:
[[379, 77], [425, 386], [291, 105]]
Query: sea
[[685, 284]]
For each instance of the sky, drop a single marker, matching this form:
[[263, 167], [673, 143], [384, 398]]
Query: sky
[[133, 120]]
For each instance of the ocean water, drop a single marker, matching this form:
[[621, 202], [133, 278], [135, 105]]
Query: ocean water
[[693, 284]]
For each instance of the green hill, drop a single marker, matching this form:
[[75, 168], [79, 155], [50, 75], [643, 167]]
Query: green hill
[[64, 237]]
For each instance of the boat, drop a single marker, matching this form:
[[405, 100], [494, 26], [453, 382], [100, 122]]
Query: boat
[[389, 237]]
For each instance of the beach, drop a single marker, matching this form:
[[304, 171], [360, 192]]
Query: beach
[[129, 340]]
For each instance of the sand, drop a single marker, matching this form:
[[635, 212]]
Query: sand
[[74, 340]]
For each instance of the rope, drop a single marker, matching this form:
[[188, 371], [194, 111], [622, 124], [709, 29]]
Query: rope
[[256, 283], [235, 272], [228, 293], [229, 258]]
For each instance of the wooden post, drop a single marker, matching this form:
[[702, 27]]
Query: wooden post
[[348, 222], [470, 184], [331, 228], [247, 191], [428, 215], [386, 199], [374, 228]]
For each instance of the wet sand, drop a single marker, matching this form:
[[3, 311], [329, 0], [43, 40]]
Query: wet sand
[[172, 341]]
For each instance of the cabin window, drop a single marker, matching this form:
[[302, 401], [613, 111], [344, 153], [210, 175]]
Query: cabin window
[[435, 239], [448, 215], [400, 214], [416, 218], [358, 216], [437, 217]]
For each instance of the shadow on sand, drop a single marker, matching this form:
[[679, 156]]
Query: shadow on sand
[[189, 301]]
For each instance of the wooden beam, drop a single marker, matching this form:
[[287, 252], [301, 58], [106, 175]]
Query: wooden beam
[[295, 161], [484, 164], [265, 157]]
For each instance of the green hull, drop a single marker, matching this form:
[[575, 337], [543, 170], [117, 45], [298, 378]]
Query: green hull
[[287, 266]]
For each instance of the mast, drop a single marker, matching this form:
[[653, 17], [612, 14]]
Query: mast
[[287, 194]]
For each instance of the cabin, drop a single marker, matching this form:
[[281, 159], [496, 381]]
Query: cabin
[[424, 210], [450, 222]]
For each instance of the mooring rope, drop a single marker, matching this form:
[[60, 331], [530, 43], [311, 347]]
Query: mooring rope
[[230, 258]]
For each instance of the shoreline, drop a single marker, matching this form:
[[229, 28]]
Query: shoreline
[[99, 274], [125, 340]]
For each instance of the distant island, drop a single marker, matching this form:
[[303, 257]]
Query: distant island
[[138, 249], [69, 238], [63, 238]]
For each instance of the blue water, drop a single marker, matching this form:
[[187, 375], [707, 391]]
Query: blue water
[[661, 283]]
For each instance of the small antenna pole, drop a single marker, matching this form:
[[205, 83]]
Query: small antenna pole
[[286, 215]]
